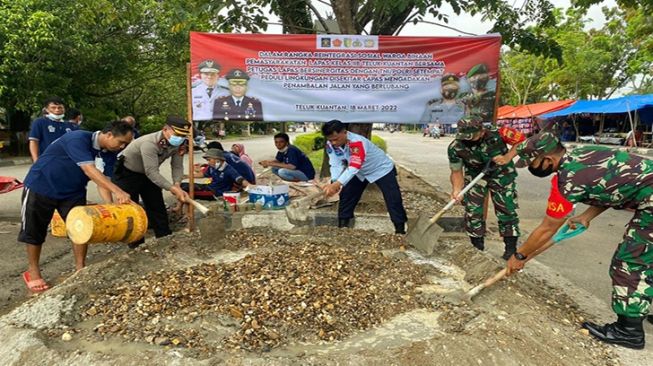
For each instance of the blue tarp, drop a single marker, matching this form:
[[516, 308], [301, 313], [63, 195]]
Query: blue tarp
[[617, 105]]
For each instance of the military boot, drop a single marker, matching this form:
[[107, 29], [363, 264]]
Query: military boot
[[400, 227], [627, 332], [510, 246], [343, 222], [478, 242]]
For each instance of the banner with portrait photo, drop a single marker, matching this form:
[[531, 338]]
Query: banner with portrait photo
[[353, 78]]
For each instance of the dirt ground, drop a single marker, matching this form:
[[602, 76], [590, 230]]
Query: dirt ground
[[308, 296]]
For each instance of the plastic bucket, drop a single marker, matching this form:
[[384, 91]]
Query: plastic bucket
[[106, 224], [231, 200], [57, 225]]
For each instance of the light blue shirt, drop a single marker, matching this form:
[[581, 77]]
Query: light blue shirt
[[358, 157]]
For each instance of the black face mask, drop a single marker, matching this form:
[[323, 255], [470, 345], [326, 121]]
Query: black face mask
[[471, 143], [449, 94], [539, 171]]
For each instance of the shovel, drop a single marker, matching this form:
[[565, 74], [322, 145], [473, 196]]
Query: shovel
[[561, 235], [203, 209], [424, 235]]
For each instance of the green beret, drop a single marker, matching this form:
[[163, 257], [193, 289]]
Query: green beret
[[478, 69]]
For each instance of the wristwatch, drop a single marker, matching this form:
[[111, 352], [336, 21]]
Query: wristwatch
[[520, 256]]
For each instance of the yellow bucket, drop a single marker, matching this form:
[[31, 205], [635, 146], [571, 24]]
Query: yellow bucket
[[57, 225], [106, 223]]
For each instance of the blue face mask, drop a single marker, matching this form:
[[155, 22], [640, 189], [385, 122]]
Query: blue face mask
[[175, 140]]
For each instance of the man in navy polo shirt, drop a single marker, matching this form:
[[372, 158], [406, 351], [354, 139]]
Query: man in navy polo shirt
[[291, 163], [47, 128], [235, 162], [58, 180], [223, 176]]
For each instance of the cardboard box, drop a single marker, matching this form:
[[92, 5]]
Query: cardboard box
[[272, 197]]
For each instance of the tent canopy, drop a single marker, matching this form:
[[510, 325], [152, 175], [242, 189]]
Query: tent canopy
[[531, 110], [617, 105]]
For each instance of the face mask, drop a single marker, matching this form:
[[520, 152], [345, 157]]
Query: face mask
[[56, 117], [284, 149], [175, 140], [479, 83], [449, 94], [539, 172]]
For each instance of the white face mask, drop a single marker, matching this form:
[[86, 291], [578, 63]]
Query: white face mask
[[284, 149], [55, 117]]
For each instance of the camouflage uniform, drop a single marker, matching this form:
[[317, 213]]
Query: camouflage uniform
[[500, 182], [599, 176]]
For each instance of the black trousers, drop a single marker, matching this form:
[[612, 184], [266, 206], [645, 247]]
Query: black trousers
[[351, 193], [139, 185]]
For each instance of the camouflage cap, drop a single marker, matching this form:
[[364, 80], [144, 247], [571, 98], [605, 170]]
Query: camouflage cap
[[477, 69], [449, 79], [536, 145], [209, 66], [468, 127]]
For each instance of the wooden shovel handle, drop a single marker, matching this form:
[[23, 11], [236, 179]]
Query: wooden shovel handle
[[203, 209]]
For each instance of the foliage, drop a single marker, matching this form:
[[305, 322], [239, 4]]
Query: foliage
[[380, 142], [309, 142], [594, 65]]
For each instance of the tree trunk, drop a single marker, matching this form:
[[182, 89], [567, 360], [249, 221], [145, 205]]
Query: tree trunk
[[19, 123]]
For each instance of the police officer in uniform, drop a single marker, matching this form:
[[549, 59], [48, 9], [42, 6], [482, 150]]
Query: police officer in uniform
[[237, 106], [481, 100], [602, 178], [469, 153], [447, 109], [206, 91]]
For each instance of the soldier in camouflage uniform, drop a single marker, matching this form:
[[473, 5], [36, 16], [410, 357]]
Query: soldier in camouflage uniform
[[472, 149], [481, 100], [604, 178]]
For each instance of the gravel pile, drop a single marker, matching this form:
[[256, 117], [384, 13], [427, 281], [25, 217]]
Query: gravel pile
[[314, 291]]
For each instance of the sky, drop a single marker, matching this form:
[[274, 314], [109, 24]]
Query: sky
[[466, 22]]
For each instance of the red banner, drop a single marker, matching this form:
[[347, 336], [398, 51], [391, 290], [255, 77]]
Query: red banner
[[353, 78]]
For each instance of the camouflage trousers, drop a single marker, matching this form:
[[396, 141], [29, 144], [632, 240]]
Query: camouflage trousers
[[504, 198], [631, 269]]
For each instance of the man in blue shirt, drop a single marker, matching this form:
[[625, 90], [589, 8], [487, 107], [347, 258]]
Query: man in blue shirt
[[291, 163], [235, 162], [223, 176], [58, 181], [355, 162], [47, 128]]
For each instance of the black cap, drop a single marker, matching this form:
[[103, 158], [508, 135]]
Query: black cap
[[179, 125], [237, 74], [209, 66], [449, 79]]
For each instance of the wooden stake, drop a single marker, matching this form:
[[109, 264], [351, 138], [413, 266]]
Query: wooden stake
[[191, 145]]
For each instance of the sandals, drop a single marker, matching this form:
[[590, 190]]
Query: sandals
[[35, 286]]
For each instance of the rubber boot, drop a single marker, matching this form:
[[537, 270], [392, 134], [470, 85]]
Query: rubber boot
[[400, 227], [343, 222], [626, 332], [478, 242], [510, 246]]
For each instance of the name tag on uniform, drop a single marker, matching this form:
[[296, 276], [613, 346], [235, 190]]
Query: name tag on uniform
[[99, 164]]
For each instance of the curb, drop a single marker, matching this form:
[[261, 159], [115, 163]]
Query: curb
[[15, 161]]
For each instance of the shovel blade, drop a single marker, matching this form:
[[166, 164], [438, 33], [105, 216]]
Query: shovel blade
[[424, 235]]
